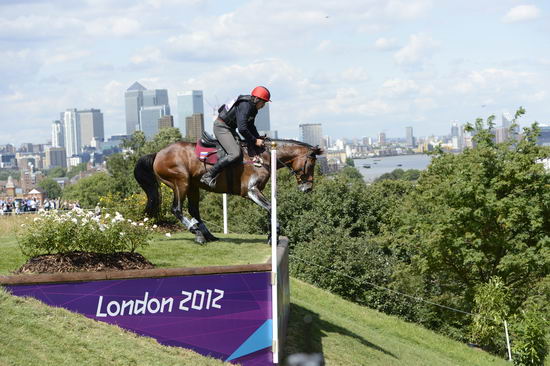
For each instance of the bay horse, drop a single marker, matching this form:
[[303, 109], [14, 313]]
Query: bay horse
[[178, 167]]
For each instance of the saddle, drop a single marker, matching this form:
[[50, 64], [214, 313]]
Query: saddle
[[208, 149]]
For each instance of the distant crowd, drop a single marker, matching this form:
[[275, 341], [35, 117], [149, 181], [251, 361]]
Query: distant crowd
[[21, 206]]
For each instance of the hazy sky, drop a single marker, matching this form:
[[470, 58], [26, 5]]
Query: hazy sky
[[358, 67]]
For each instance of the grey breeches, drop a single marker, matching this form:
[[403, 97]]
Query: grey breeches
[[229, 141]]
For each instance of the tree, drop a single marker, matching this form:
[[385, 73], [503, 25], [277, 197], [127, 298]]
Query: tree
[[77, 169], [478, 215], [50, 187], [56, 172], [88, 191]]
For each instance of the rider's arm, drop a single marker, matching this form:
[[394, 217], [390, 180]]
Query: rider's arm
[[243, 113]]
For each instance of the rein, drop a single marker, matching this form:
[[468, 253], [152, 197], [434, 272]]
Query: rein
[[297, 173]]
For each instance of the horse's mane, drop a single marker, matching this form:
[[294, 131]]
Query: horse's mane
[[316, 149]]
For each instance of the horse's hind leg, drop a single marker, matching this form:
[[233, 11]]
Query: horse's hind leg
[[193, 197], [191, 224]]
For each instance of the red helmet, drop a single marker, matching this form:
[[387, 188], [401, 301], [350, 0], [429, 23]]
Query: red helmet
[[262, 93]]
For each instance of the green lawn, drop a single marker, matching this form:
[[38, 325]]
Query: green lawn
[[346, 333]]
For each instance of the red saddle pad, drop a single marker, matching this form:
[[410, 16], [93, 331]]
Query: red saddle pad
[[208, 155]]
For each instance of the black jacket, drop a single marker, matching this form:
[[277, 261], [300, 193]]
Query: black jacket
[[241, 116]]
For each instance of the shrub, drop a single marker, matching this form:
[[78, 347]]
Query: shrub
[[54, 232]]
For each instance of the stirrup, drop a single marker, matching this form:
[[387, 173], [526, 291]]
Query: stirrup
[[209, 181]]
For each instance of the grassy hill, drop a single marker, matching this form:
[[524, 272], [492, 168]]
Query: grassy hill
[[346, 333]]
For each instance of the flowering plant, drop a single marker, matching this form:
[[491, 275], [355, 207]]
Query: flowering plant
[[78, 230]]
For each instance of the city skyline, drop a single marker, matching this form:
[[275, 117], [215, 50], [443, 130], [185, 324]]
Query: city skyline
[[357, 67]]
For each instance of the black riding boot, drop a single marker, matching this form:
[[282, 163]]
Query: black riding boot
[[209, 178]]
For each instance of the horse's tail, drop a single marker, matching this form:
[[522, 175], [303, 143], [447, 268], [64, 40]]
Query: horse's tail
[[145, 176]]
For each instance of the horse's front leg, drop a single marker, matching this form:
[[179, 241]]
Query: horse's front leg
[[257, 196]]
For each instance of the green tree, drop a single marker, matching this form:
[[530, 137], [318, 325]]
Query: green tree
[[50, 187], [350, 162], [77, 169], [88, 191], [56, 172], [477, 215]]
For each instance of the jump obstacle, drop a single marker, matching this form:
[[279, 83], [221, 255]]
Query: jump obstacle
[[236, 313]]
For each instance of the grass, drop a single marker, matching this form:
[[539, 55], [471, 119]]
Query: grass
[[346, 333]]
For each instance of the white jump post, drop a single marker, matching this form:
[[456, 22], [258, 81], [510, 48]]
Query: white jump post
[[225, 231], [274, 299], [508, 341]]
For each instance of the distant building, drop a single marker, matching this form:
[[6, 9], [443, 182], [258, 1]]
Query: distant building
[[166, 122], [8, 160], [91, 126], [189, 103], [58, 137], [409, 137], [55, 157], [311, 133], [194, 125], [137, 97], [149, 119], [72, 134], [133, 100], [382, 138]]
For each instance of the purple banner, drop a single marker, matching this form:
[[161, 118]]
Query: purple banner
[[227, 316]]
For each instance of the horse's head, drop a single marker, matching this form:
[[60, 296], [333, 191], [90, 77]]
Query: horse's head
[[302, 165]]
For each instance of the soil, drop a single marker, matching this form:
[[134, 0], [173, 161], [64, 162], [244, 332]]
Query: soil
[[84, 262]]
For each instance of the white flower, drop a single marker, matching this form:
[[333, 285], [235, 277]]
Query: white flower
[[122, 233], [74, 220], [22, 225], [107, 215], [146, 219], [155, 226], [168, 235], [141, 224], [36, 219], [134, 223]]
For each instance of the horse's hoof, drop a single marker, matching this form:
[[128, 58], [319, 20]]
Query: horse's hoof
[[200, 239]]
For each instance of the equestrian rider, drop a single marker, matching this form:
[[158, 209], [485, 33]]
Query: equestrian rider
[[239, 115]]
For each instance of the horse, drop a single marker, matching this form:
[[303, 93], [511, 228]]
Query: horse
[[178, 167]]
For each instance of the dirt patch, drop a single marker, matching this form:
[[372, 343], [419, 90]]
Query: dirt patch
[[84, 262]]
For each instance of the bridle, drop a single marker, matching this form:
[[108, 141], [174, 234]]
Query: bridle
[[300, 174]]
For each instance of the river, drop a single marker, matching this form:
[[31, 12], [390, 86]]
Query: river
[[381, 165]]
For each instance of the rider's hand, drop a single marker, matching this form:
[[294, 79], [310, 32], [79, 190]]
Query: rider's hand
[[259, 142]]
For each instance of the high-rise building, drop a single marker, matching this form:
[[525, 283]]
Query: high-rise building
[[137, 97], [382, 138], [410, 137], [149, 119], [91, 126], [56, 157], [133, 98], [166, 122], [311, 133], [194, 125], [58, 136], [71, 122], [189, 103]]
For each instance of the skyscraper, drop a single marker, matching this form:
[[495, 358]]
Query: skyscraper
[[71, 121], [58, 135], [410, 137], [166, 122], [194, 125], [189, 103], [382, 138], [133, 101], [55, 157], [311, 133], [91, 126], [149, 119]]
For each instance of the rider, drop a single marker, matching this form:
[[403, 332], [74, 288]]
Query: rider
[[239, 115]]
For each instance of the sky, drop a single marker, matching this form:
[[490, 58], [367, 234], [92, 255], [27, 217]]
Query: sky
[[358, 67]]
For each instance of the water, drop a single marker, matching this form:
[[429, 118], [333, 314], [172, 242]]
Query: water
[[382, 165]]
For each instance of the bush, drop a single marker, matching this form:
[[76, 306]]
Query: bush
[[529, 336], [53, 232]]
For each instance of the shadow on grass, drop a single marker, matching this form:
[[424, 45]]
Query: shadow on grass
[[242, 241], [306, 330]]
